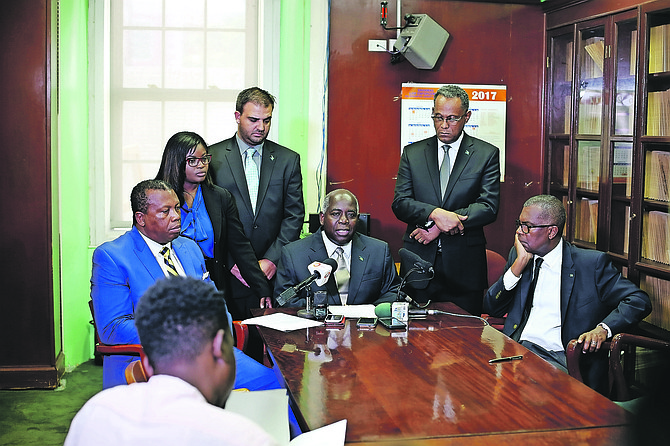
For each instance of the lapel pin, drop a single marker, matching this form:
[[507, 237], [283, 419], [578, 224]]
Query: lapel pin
[[272, 157], [572, 275], [360, 258], [467, 152]]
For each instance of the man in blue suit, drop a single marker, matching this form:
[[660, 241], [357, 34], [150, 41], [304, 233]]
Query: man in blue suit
[[554, 292], [370, 272], [448, 189], [124, 268]]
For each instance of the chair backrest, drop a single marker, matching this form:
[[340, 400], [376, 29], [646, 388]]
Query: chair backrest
[[106, 349], [495, 264], [241, 332], [135, 372]]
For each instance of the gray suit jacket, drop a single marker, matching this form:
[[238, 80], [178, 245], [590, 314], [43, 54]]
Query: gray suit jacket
[[373, 274], [280, 209], [473, 190]]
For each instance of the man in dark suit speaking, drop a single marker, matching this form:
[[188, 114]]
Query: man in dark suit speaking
[[448, 189], [366, 273], [554, 292], [266, 181]]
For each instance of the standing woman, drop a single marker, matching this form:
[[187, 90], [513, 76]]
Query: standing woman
[[210, 218]]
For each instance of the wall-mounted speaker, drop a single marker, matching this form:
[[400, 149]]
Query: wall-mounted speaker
[[422, 41]]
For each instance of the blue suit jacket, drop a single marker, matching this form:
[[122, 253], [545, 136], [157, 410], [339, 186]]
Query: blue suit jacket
[[373, 274], [122, 271], [592, 291], [473, 190]]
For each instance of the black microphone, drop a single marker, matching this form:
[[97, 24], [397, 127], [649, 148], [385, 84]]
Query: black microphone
[[290, 293], [410, 258]]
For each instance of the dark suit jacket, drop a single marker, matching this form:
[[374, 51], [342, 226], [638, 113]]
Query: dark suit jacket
[[122, 271], [229, 238], [592, 291], [280, 209], [373, 274], [473, 190]]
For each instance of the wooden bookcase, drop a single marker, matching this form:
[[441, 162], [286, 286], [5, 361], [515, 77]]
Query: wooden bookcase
[[607, 141]]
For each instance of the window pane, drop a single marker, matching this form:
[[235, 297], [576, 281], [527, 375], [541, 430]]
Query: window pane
[[184, 59], [226, 14], [220, 121], [142, 13], [226, 60], [142, 59], [186, 14], [189, 116], [141, 134]]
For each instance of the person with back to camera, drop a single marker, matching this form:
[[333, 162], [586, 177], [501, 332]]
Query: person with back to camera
[[185, 329], [210, 216]]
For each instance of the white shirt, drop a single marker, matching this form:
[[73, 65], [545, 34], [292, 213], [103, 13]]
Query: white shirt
[[331, 247], [163, 411], [544, 323], [156, 248], [453, 151]]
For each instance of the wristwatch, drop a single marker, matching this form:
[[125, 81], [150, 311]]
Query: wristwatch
[[427, 225]]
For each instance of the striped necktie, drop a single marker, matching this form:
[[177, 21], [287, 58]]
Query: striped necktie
[[251, 172], [342, 276], [168, 261]]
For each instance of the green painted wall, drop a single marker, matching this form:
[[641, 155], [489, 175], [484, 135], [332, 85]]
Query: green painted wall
[[72, 198]]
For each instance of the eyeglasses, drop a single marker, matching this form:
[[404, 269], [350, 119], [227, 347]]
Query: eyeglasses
[[525, 227], [193, 162], [439, 119]]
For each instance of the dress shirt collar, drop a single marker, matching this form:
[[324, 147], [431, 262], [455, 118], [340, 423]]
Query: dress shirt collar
[[453, 150], [243, 146], [155, 249], [554, 258], [331, 247]]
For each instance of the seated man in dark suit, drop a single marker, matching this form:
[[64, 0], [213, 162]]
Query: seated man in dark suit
[[366, 272], [125, 267], [570, 293], [184, 327]]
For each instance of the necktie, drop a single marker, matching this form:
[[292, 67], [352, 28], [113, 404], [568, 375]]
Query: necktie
[[529, 300], [168, 261], [251, 172], [445, 168], [342, 276]]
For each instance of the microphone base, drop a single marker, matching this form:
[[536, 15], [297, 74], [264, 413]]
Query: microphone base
[[307, 314]]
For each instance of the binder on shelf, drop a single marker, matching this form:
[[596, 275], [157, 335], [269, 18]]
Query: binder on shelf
[[588, 165], [657, 175], [655, 232], [659, 293]]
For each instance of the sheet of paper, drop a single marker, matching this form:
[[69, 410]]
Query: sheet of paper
[[267, 408], [353, 311], [330, 435], [282, 322]]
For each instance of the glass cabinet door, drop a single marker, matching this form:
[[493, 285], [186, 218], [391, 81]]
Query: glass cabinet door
[[592, 62], [624, 77], [561, 47]]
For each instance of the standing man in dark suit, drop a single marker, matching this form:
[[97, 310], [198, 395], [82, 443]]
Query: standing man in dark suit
[[370, 275], [448, 189], [266, 181], [554, 292]]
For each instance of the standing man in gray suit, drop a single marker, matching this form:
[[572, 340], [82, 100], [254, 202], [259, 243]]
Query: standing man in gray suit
[[448, 189], [266, 181]]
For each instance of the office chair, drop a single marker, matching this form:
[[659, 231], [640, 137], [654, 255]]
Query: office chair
[[106, 349], [495, 264], [135, 372], [622, 354]]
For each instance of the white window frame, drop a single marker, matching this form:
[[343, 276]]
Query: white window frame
[[101, 226]]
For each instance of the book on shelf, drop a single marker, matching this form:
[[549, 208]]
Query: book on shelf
[[626, 230], [658, 113], [659, 48], [633, 52], [655, 232], [586, 220], [590, 112], [593, 57], [566, 165], [568, 62], [659, 294], [588, 165], [568, 114], [657, 175], [622, 163]]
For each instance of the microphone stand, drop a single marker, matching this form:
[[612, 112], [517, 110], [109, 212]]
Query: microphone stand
[[404, 297], [308, 311]]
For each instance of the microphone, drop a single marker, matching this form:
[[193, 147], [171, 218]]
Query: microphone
[[320, 270], [384, 310], [410, 258]]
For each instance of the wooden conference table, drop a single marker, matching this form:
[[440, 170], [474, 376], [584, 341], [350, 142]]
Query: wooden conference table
[[433, 384]]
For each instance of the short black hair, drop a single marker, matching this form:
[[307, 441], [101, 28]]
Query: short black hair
[[138, 196], [177, 316], [454, 91], [257, 96], [551, 208]]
